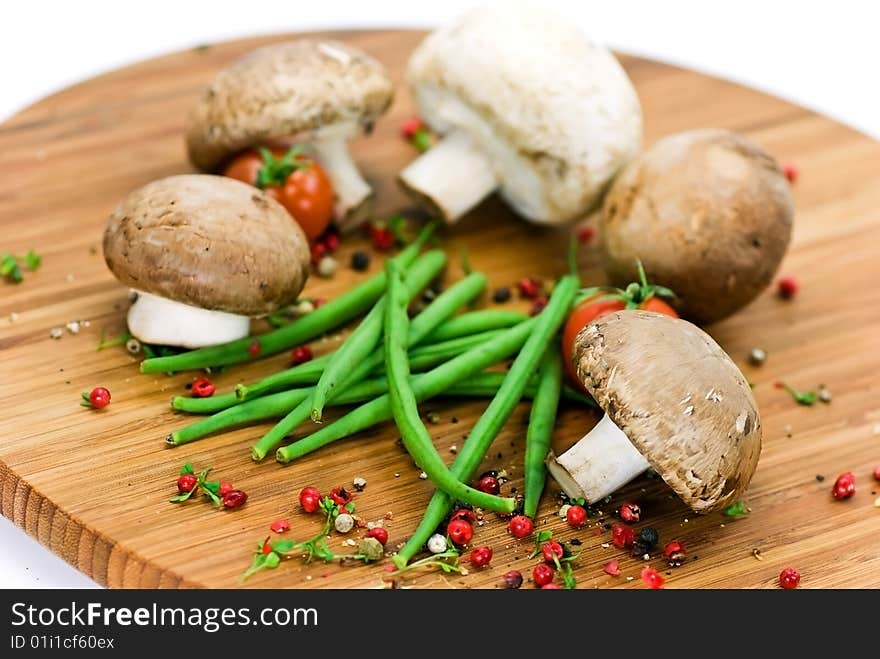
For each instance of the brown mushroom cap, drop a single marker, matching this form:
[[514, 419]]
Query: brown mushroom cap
[[680, 400], [282, 90], [709, 214], [210, 242]]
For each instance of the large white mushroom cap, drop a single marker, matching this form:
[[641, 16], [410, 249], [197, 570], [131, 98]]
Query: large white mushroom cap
[[554, 112]]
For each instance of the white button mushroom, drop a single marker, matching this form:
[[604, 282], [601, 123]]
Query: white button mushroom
[[205, 253], [708, 213], [673, 400], [319, 92], [527, 106]]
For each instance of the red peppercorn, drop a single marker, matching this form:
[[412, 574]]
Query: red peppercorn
[[551, 586], [310, 499], [513, 579], [225, 488], [318, 251], [529, 287], [464, 513], [382, 236], [234, 499], [877, 473], [630, 512], [552, 551], [267, 547], [186, 483], [674, 553], [622, 536], [340, 496], [203, 388], [652, 578], [460, 531], [789, 578], [787, 287], [331, 241], [280, 526], [301, 355], [845, 486], [481, 556], [379, 533], [538, 305], [576, 516], [791, 172], [254, 349], [520, 526], [489, 484], [586, 234], [410, 127], [612, 568], [99, 397], [542, 574]]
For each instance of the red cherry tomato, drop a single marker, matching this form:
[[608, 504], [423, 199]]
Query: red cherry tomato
[[306, 191]]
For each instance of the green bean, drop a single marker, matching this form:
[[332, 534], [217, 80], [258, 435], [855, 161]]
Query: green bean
[[348, 365], [472, 322], [487, 427], [416, 438], [328, 316], [425, 385], [542, 418]]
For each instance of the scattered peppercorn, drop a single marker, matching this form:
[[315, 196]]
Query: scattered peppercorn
[[432, 417], [674, 553], [380, 533], [586, 234], [630, 512], [310, 499], [280, 526], [327, 266], [820, 477], [381, 236], [481, 556], [360, 261], [648, 536], [576, 516], [234, 499], [757, 356], [371, 549], [529, 287], [359, 483], [340, 496], [542, 574], [254, 349], [501, 295], [331, 240], [301, 355], [203, 388], [460, 531], [513, 579], [538, 305], [622, 536], [789, 578], [824, 394], [520, 526], [225, 488], [317, 253], [410, 127], [845, 486], [877, 473], [436, 544], [787, 287], [98, 398], [343, 523], [133, 346], [791, 172], [489, 484], [612, 568], [652, 578], [186, 482], [552, 551]]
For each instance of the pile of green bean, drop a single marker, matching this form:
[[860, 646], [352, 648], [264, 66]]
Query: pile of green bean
[[386, 366]]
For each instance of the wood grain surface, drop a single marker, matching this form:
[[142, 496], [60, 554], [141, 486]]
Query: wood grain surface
[[94, 486]]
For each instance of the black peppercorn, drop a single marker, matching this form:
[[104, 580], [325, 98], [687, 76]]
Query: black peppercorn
[[360, 261], [501, 294], [648, 537]]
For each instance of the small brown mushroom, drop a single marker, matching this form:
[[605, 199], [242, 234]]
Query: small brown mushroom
[[673, 400], [318, 91], [204, 254], [708, 213]]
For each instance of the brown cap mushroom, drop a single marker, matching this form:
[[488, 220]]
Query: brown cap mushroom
[[709, 214], [526, 105], [204, 253], [319, 91], [673, 400]]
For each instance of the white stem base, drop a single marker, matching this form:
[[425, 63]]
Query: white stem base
[[598, 464], [353, 193], [451, 177], [160, 321]]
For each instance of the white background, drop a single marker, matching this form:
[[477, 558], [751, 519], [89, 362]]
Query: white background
[[822, 55]]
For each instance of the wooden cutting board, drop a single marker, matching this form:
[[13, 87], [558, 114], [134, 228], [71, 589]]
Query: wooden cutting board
[[94, 486]]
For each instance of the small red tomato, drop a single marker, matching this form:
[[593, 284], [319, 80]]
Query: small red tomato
[[674, 553], [787, 287], [552, 551], [630, 512], [99, 397], [464, 513], [789, 578], [234, 499], [186, 483], [529, 287], [410, 127], [254, 349], [845, 486], [460, 531], [481, 556], [225, 488], [652, 578], [622, 536], [791, 172], [379, 533], [340, 496], [520, 526], [280, 526], [542, 574], [513, 579], [576, 516], [203, 388], [310, 499], [612, 568], [489, 484]]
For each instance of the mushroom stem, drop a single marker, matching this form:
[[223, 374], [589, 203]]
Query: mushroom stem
[[160, 321], [353, 193], [451, 177], [599, 463]]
